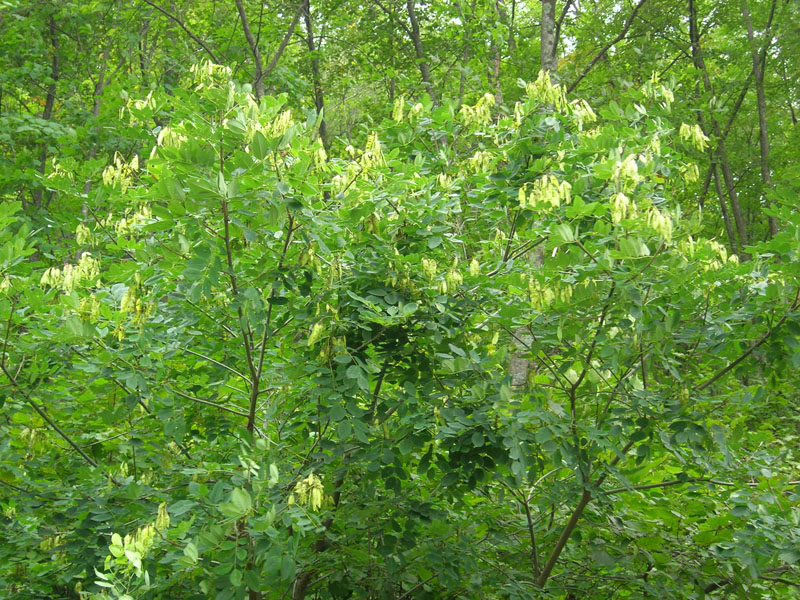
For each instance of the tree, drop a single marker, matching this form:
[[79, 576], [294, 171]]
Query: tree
[[254, 348]]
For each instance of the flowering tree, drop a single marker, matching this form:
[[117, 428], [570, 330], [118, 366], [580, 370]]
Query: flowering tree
[[273, 372]]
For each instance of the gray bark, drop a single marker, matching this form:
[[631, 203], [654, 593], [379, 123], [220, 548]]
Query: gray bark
[[549, 61]]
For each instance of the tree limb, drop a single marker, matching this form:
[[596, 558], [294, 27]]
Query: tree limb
[[608, 46], [180, 23], [47, 419]]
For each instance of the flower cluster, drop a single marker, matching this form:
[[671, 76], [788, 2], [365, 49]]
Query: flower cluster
[[134, 304], [399, 108], [130, 550], [480, 114], [661, 222], [693, 134], [70, 276], [452, 279], [121, 172], [479, 162], [546, 191], [542, 296], [429, 267], [582, 113], [622, 207], [547, 92], [89, 309], [308, 492], [654, 89], [626, 172], [373, 154]]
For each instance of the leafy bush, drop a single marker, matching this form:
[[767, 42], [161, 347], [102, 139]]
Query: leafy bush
[[263, 370]]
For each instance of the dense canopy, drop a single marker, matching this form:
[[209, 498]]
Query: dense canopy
[[399, 300]]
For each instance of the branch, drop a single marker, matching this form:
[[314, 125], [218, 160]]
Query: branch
[[208, 402], [186, 29], [602, 52], [251, 41], [392, 17], [49, 421], [589, 356], [282, 47], [671, 482], [586, 497], [219, 364], [532, 535], [751, 349], [567, 6]]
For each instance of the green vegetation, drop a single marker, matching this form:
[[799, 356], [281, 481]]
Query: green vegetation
[[365, 305]]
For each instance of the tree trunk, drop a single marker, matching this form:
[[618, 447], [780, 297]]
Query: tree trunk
[[548, 37], [419, 51], [763, 137], [494, 75], [258, 80], [49, 104], [319, 97], [722, 155], [724, 208]]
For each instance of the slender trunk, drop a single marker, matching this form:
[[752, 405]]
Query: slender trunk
[[549, 61], [97, 93], [144, 57], [258, 80], [577, 513], [465, 54], [724, 208], [763, 136], [419, 51], [502, 17], [49, 104], [512, 42], [722, 155], [319, 97]]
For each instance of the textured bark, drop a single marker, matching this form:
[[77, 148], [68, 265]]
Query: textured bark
[[549, 61], [419, 51], [763, 135], [319, 96]]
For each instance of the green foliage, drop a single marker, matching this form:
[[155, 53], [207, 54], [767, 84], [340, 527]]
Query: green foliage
[[287, 371], [491, 347]]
